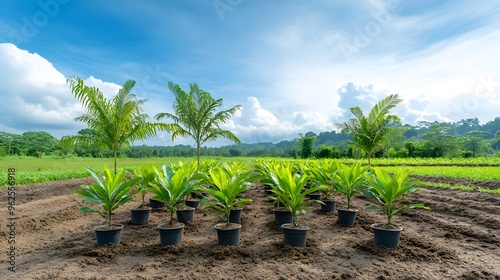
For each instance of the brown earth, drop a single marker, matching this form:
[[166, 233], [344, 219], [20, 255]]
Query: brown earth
[[458, 239]]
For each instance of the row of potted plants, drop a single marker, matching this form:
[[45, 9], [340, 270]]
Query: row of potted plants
[[170, 186], [288, 183]]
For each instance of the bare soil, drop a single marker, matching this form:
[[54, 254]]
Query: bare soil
[[458, 239]]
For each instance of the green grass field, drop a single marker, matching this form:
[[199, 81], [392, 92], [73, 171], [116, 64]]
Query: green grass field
[[34, 170]]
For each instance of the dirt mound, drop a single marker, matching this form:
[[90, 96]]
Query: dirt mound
[[458, 239]]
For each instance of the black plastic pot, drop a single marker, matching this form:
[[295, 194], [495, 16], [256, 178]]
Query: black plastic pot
[[228, 236], [106, 235], [235, 215], [386, 237], [192, 203], [347, 217], [170, 235], [282, 216], [295, 236], [155, 204], [329, 205], [139, 216], [185, 216], [315, 196]]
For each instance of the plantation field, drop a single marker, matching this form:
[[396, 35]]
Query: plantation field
[[36, 170], [458, 239]]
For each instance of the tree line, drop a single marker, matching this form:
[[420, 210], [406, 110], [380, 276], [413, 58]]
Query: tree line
[[465, 138]]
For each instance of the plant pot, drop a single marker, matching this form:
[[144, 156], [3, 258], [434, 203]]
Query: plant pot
[[235, 215], [170, 235], [139, 216], [185, 215], [386, 237], [314, 196], [347, 217], [295, 236], [155, 204], [198, 195], [329, 205], [192, 203], [228, 236], [282, 216], [106, 235]]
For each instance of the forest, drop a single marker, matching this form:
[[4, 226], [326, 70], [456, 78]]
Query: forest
[[465, 138]]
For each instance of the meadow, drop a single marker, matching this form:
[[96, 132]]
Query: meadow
[[36, 170]]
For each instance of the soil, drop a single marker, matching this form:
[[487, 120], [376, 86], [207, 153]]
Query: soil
[[458, 239]]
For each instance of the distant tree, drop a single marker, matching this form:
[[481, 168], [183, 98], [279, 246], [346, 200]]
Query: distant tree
[[39, 143], [467, 125], [474, 141], [496, 140], [440, 141], [306, 144], [234, 152], [195, 116], [114, 122], [324, 151], [372, 131]]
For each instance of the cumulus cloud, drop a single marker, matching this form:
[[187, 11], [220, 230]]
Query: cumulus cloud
[[254, 123], [34, 94]]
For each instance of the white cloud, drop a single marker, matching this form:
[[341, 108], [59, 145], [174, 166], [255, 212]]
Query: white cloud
[[34, 94]]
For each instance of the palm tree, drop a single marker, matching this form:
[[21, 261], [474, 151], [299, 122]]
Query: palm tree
[[114, 122], [195, 116], [372, 131]]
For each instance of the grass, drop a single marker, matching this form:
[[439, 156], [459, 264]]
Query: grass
[[464, 188], [35, 170], [31, 170], [481, 173]]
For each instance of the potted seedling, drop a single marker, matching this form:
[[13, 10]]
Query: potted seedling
[[109, 193], [389, 192], [194, 198], [290, 189], [265, 170], [323, 174], [227, 183], [147, 175], [171, 185], [349, 180]]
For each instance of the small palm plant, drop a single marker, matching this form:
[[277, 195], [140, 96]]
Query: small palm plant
[[109, 193], [389, 192], [147, 176], [349, 180], [322, 173], [226, 183], [172, 183], [290, 189]]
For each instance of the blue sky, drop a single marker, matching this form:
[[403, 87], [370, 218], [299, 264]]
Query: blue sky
[[295, 66]]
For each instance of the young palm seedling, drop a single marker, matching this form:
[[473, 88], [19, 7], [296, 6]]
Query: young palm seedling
[[172, 183], [147, 176], [349, 180], [227, 183], [290, 188], [109, 193], [389, 192]]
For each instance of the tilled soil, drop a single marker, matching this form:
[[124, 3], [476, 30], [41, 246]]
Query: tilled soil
[[458, 239]]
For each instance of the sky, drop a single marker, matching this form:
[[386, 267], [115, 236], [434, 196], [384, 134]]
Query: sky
[[294, 66]]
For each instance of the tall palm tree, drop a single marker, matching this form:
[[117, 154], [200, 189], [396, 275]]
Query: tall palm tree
[[114, 122], [373, 131], [195, 116]]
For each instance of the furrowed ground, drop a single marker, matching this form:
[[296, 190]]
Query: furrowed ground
[[458, 239]]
